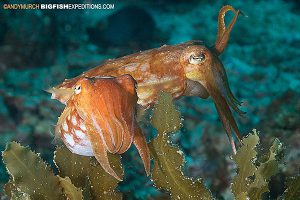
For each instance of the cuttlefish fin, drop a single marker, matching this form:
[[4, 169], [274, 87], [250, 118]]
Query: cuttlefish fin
[[100, 154], [139, 141]]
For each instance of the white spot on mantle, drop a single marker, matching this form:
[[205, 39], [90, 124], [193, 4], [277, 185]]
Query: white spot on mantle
[[131, 67], [69, 139], [82, 126], [79, 134], [74, 121], [65, 126], [145, 67]]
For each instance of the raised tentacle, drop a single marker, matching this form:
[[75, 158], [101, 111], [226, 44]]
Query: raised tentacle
[[223, 33]]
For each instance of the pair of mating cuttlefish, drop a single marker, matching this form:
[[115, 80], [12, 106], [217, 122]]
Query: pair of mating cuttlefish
[[100, 113]]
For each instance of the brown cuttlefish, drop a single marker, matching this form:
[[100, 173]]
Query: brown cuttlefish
[[99, 117], [187, 69]]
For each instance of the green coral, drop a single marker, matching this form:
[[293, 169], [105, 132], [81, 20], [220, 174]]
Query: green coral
[[169, 160]]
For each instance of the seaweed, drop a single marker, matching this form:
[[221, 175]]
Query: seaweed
[[69, 189], [82, 177], [18, 195], [30, 175], [292, 191], [246, 168], [79, 177], [167, 173], [252, 178], [265, 171], [86, 172]]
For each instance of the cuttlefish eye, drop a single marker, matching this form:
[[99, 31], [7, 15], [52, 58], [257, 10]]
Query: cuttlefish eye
[[196, 59], [77, 89]]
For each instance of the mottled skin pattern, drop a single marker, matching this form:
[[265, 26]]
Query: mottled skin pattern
[[147, 68], [100, 117], [188, 69]]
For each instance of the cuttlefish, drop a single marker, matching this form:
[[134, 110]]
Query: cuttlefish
[[187, 69], [99, 117]]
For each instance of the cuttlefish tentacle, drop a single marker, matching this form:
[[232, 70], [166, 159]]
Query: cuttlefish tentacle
[[108, 135], [107, 109], [227, 128], [224, 111], [223, 85], [187, 69], [100, 152], [226, 119], [223, 33], [140, 142], [220, 90]]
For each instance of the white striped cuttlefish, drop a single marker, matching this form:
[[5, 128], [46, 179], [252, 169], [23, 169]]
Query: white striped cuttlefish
[[187, 69], [99, 117]]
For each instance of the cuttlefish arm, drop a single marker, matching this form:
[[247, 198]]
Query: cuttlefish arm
[[108, 107], [207, 76], [218, 85], [220, 76], [100, 152], [225, 115], [140, 143], [197, 67], [223, 32]]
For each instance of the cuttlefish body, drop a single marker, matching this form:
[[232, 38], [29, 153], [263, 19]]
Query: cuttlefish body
[[188, 69], [100, 117]]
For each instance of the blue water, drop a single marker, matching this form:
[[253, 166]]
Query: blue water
[[40, 48]]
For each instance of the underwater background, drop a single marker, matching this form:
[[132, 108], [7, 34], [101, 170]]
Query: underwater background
[[40, 48]]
